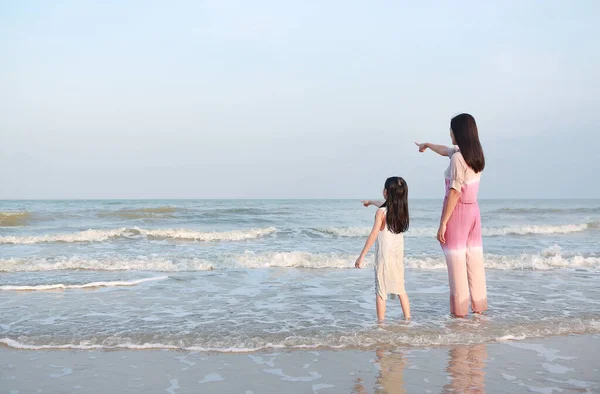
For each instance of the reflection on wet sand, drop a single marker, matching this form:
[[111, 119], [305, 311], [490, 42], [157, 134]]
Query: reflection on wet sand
[[391, 374], [465, 368]]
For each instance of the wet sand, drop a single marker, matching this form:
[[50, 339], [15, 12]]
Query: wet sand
[[551, 365]]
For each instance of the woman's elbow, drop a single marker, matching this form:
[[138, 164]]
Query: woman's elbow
[[454, 192], [453, 195]]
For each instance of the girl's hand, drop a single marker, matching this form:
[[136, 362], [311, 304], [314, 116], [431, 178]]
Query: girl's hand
[[441, 234], [422, 147], [359, 263], [366, 203]]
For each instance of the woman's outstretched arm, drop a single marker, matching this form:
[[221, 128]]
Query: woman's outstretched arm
[[379, 218], [441, 150]]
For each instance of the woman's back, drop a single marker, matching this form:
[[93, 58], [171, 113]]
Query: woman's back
[[461, 177]]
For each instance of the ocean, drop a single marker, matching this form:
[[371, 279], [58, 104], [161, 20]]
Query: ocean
[[250, 275]]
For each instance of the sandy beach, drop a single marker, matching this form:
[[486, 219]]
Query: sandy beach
[[552, 365]]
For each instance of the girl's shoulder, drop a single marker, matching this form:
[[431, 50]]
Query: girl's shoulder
[[381, 213]]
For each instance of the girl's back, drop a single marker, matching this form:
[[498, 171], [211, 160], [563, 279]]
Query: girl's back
[[389, 262], [387, 240]]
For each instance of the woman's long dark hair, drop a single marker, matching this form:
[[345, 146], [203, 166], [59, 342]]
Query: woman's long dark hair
[[396, 204], [467, 138]]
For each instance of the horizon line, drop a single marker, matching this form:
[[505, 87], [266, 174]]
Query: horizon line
[[289, 199]]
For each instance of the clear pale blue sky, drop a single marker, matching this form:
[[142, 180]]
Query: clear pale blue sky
[[294, 99]]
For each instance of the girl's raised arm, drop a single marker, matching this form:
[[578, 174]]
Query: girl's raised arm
[[441, 150], [379, 219], [377, 203]]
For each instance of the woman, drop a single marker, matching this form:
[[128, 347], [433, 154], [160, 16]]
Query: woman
[[460, 226]]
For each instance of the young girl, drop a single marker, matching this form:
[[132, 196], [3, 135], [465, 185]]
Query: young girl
[[391, 221]]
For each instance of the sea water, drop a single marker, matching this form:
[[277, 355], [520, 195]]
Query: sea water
[[244, 275]]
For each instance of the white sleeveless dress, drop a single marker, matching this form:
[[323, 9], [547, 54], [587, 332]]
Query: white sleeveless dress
[[389, 262]]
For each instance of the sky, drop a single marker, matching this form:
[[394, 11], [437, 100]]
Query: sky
[[294, 99]]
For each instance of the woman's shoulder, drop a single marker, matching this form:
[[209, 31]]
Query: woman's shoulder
[[458, 159], [452, 150], [459, 163]]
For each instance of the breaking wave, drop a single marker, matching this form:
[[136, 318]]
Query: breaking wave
[[549, 259], [123, 232], [60, 286], [142, 213], [362, 339], [10, 219], [486, 232], [538, 211]]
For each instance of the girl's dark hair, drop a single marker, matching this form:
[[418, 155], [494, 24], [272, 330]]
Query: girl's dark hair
[[467, 138], [396, 204]]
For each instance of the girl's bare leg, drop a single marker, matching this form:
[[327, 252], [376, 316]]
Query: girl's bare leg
[[380, 303], [405, 305]]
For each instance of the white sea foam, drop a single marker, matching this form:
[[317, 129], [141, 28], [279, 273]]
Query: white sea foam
[[506, 338], [542, 211], [363, 339], [109, 263], [83, 346], [549, 259], [165, 264], [346, 231], [536, 230], [60, 286], [82, 236], [486, 232], [295, 260], [236, 235], [100, 235], [542, 262], [545, 261]]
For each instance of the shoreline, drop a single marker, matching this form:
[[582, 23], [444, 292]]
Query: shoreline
[[543, 365], [11, 344]]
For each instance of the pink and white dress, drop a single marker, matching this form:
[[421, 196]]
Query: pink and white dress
[[463, 248]]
